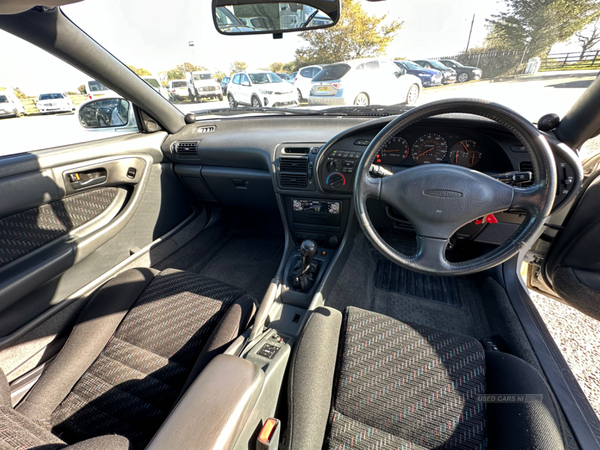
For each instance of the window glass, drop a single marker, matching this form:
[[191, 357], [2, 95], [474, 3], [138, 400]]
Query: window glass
[[307, 73], [178, 84], [264, 78], [244, 78], [203, 76], [372, 65], [40, 96], [236, 79], [152, 82], [332, 72]]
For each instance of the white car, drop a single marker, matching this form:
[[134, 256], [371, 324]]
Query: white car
[[303, 79], [95, 89], [155, 84], [364, 82], [54, 102], [204, 85], [10, 106], [260, 88], [178, 89]]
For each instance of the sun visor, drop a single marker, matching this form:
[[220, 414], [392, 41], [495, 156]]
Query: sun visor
[[18, 6]]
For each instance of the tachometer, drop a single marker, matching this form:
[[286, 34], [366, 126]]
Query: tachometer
[[465, 153], [430, 148], [394, 152]]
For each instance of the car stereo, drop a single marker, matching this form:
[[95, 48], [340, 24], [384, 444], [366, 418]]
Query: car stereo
[[303, 205]]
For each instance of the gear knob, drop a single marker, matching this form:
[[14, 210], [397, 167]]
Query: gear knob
[[308, 249]]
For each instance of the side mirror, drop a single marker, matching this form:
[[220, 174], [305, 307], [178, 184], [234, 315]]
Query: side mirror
[[107, 114], [273, 16], [246, 83]]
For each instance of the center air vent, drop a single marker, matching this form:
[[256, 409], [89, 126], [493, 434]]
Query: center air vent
[[294, 180], [293, 164], [183, 149], [293, 172], [206, 129], [527, 166]]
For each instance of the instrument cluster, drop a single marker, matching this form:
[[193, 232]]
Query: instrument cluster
[[430, 148]]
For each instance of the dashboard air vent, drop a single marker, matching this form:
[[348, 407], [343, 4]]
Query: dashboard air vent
[[292, 180], [293, 164], [206, 129], [183, 149], [527, 166]]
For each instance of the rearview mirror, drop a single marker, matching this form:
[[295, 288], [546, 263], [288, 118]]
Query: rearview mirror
[[273, 16], [106, 113]]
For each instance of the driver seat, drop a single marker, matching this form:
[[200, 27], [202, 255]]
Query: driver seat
[[362, 380]]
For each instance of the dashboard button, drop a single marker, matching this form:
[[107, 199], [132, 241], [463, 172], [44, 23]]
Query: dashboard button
[[518, 148], [362, 142], [348, 163]]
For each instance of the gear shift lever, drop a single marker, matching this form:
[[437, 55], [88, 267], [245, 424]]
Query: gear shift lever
[[308, 249], [302, 275]]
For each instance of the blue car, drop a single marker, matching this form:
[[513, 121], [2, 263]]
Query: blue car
[[429, 77]]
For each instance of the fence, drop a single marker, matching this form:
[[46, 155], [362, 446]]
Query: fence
[[492, 64], [496, 64], [571, 61]]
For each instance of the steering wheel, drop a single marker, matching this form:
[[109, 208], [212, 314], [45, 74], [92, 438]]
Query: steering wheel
[[438, 199]]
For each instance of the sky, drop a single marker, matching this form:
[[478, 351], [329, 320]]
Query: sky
[[154, 34]]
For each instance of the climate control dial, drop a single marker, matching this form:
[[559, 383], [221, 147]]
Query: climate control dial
[[331, 165], [336, 180]]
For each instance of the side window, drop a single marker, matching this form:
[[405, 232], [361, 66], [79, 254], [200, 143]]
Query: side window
[[315, 71], [361, 67], [307, 73], [41, 109], [236, 79], [372, 65], [244, 78]]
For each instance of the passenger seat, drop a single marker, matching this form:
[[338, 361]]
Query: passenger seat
[[136, 347]]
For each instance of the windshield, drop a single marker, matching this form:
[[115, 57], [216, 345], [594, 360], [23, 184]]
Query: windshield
[[96, 86], [411, 65], [152, 82], [264, 78], [435, 64], [512, 54], [203, 76], [333, 72], [51, 96]]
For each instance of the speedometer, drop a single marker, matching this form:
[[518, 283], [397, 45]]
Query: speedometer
[[430, 148], [394, 152]]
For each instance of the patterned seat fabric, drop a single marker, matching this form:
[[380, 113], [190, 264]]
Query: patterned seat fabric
[[133, 384], [404, 386]]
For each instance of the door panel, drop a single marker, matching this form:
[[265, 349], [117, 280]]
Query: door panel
[[86, 209], [571, 268]]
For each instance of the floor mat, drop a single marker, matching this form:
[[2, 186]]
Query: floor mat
[[356, 286], [241, 250], [393, 278]]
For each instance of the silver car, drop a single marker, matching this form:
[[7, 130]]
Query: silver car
[[364, 82]]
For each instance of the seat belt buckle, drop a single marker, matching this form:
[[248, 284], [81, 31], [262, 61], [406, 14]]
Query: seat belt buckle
[[268, 438]]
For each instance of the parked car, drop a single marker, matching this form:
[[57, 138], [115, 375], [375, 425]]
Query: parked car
[[54, 102], [260, 88], [428, 77], [10, 106], [448, 73], [95, 89], [464, 73], [155, 84], [203, 85], [303, 79], [364, 82], [224, 82], [178, 90]]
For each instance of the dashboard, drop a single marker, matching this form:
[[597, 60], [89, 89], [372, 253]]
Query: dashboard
[[305, 167]]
